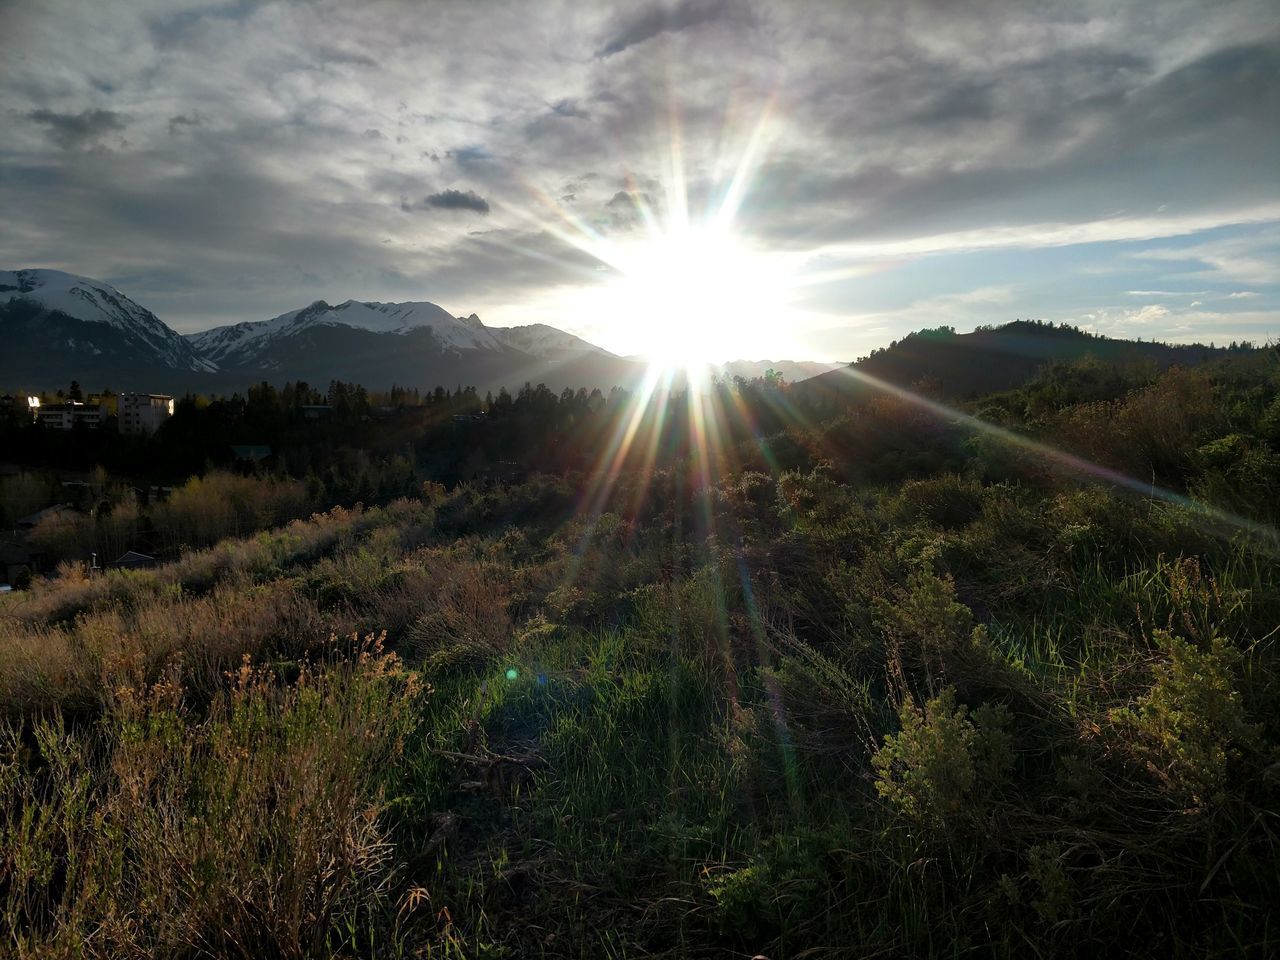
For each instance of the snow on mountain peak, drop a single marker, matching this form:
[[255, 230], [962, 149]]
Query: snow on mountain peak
[[242, 342], [541, 340], [92, 301]]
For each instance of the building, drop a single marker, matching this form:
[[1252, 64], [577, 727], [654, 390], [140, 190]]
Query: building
[[64, 416], [133, 560], [144, 412]]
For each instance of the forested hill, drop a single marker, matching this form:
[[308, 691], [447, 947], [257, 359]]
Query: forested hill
[[993, 359]]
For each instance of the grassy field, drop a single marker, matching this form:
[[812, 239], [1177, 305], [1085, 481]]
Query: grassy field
[[866, 705]]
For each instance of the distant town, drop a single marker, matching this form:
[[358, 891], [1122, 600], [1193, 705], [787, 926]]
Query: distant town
[[136, 413]]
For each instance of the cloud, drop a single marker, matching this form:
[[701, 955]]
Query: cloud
[[457, 200], [72, 131], [1019, 142], [1251, 259], [1241, 294], [1151, 313], [182, 120], [662, 18]]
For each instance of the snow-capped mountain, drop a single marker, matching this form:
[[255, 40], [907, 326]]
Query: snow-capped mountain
[[56, 327], [60, 313], [419, 344], [244, 343], [540, 340]]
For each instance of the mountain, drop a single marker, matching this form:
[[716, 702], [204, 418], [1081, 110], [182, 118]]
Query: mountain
[[412, 344], [57, 325], [249, 343], [990, 359], [540, 340]]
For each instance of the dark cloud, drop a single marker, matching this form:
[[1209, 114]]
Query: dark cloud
[[468, 156], [182, 120], [487, 263], [548, 124], [72, 131], [457, 200], [671, 18], [569, 108], [338, 55]]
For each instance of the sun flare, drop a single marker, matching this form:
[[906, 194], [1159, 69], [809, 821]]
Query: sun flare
[[696, 296], [682, 282]]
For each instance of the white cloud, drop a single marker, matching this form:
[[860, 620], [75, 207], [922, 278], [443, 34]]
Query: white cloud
[[1041, 235], [1250, 258]]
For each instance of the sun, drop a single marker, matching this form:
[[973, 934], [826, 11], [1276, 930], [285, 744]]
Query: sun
[[696, 295], [684, 283]]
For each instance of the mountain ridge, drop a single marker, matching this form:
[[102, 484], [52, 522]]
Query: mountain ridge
[[990, 359], [87, 303], [60, 326]]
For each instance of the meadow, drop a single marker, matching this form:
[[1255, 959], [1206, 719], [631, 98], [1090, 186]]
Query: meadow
[[869, 682]]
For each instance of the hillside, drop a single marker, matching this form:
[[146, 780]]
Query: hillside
[[989, 360], [782, 683]]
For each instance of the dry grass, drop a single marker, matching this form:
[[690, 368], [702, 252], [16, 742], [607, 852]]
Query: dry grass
[[252, 829]]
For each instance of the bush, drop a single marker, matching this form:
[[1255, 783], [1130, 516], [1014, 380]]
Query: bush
[[942, 762], [1190, 727]]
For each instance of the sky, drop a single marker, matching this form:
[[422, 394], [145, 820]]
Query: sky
[[783, 180]]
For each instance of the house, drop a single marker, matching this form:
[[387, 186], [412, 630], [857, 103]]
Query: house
[[133, 560], [144, 412], [316, 411]]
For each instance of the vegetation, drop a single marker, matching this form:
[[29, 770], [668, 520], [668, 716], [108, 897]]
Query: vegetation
[[770, 679]]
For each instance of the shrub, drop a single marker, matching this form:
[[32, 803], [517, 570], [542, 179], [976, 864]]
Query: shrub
[[947, 501], [943, 760], [1190, 726], [781, 880], [931, 636], [466, 614]]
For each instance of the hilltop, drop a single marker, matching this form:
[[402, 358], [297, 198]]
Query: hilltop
[[994, 358]]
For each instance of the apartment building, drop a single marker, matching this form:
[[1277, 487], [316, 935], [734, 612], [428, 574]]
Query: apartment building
[[143, 412]]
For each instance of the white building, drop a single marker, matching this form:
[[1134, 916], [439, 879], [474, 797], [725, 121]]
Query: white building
[[143, 412], [63, 416]]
